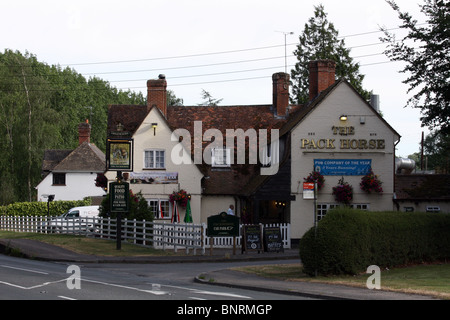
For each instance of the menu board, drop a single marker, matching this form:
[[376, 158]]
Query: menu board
[[272, 240], [252, 237]]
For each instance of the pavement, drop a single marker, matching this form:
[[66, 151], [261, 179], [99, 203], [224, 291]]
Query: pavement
[[230, 278]]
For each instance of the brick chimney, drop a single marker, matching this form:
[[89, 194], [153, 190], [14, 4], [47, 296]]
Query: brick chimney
[[156, 94], [84, 132], [280, 93], [321, 76]]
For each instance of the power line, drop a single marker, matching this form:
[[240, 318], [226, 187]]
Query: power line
[[216, 64], [216, 53]]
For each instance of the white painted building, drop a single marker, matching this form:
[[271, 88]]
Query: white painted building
[[71, 174]]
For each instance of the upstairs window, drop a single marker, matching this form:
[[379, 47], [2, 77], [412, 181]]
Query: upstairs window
[[220, 157], [154, 159], [59, 179]]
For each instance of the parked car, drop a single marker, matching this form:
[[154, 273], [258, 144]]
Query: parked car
[[77, 219]]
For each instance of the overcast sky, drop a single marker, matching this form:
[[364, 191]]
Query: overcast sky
[[228, 48]]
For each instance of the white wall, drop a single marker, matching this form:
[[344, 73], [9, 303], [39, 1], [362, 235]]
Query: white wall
[[189, 176], [78, 186], [318, 125]]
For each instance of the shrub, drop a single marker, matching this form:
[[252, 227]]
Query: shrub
[[347, 241], [37, 209], [139, 208]]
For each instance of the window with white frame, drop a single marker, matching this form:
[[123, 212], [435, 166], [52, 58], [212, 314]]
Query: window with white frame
[[323, 208], [220, 157], [360, 206], [154, 159], [158, 206]]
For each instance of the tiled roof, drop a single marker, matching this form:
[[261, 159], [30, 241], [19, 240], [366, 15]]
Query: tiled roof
[[422, 187], [87, 157], [227, 181], [219, 181], [129, 116], [52, 158]]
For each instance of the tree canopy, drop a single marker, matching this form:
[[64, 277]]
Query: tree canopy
[[40, 108], [426, 51], [319, 40]]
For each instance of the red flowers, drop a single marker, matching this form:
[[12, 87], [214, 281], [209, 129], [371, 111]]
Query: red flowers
[[315, 176], [371, 183], [343, 192], [181, 197]]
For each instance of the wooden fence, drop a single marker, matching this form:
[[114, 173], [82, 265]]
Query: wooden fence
[[159, 235]]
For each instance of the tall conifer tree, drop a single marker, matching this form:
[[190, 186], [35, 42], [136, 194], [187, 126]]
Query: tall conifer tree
[[319, 40]]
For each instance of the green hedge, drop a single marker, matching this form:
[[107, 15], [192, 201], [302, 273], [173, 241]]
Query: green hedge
[[33, 209], [348, 241]]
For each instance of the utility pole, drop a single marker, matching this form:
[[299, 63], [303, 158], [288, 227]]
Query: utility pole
[[285, 50]]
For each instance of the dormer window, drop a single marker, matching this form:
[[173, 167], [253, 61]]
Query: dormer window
[[220, 157]]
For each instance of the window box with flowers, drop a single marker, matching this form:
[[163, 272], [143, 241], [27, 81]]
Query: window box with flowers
[[370, 183], [315, 176], [343, 192], [181, 197]]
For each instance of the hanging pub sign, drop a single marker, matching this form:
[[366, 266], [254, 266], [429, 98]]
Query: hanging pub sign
[[119, 154], [119, 196]]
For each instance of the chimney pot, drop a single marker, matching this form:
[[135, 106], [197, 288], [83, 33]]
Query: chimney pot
[[84, 132], [321, 75], [156, 94], [280, 93]]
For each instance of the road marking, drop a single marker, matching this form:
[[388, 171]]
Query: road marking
[[196, 298], [198, 291], [67, 298], [155, 292], [225, 294], [32, 287], [22, 269]]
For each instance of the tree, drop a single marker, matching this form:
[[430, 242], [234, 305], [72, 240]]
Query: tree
[[436, 150], [319, 40], [41, 107], [173, 100], [209, 100], [427, 61]]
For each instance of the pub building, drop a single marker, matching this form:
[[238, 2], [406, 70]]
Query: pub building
[[256, 157]]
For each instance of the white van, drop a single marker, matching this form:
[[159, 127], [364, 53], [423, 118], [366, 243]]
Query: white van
[[76, 219]]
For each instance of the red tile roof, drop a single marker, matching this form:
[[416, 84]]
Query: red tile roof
[[224, 181]]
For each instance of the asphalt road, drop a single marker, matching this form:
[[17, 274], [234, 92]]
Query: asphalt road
[[23, 279]]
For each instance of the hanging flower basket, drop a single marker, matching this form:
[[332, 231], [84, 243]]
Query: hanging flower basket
[[181, 197], [343, 192], [371, 183], [315, 176]]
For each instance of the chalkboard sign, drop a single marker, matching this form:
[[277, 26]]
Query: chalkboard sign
[[252, 238], [273, 241]]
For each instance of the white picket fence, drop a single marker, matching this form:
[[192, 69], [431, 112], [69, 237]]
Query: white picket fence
[[159, 235]]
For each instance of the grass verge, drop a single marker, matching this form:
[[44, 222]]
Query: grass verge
[[85, 245], [431, 279]]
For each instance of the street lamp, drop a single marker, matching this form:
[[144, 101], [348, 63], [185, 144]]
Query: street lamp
[[285, 53]]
